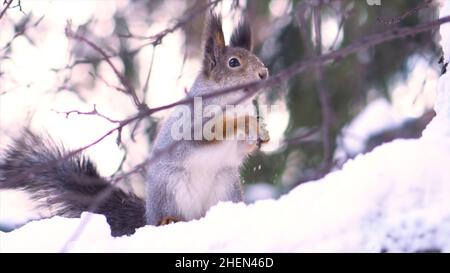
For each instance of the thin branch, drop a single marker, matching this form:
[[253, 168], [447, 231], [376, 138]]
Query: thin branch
[[301, 138], [396, 20], [7, 4], [154, 39], [118, 88], [22, 31], [147, 78], [124, 80], [302, 26], [19, 5], [325, 104], [185, 56], [345, 15], [93, 112], [122, 162], [157, 38]]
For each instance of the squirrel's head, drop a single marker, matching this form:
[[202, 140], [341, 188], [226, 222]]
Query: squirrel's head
[[233, 64]]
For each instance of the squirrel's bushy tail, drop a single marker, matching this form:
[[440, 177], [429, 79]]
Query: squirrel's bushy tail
[[72, 185]]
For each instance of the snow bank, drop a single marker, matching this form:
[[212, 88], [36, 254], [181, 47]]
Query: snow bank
[[376, 117], [395, 198]]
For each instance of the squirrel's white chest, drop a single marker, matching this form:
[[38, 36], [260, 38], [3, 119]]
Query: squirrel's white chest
[[208, 180]]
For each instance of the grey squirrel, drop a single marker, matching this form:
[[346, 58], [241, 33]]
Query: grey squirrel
[[182, 184]]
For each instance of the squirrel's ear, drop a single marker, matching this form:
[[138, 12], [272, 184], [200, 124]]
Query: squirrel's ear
[[242, 35], [214, 42]]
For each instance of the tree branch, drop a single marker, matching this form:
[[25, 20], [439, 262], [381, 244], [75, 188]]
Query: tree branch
[[124, 80], [6, 4], [396, 20], [325, 104]]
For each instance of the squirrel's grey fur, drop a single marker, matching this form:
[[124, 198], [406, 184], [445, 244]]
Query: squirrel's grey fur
[[183, 182]]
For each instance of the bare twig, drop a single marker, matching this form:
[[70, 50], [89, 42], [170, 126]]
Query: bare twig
[[302, 137], [94, 112], [157, 38], [150, 40], [124, 80], [118, 88], [302, 26], [7, 4], [396, 20], [122, 162], [22, 31], [345, 15], [147, 79], [325, 104], [18, 5]]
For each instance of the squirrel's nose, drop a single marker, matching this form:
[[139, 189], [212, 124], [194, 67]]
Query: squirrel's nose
[[263, 73]]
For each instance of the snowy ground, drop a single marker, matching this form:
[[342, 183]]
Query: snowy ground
[[395, 198]]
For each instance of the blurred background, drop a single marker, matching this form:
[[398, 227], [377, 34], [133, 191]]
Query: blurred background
[[321, 119]]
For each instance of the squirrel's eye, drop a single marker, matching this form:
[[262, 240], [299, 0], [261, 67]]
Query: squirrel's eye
[[233, 62]]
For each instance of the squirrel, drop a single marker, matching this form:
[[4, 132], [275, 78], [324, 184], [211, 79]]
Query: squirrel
[[183, 182]]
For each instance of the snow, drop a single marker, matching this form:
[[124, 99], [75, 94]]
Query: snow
[[444, 30], [259, 191], [15, 209], [378, 116], [394, 199]]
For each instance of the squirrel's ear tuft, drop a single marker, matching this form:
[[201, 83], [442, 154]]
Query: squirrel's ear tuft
[[214, 42], [242, 35]]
